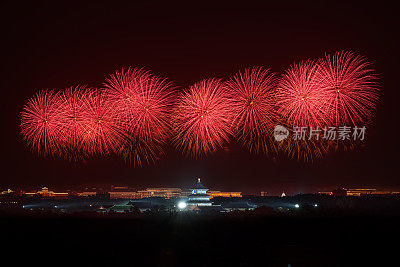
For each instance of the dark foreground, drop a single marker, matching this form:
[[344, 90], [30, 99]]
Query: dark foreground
[[176, 239]]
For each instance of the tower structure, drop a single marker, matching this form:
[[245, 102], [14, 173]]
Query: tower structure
[[198, 196]]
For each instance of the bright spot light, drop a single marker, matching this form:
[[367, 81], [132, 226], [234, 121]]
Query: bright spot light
[[296, 205], [182, 205], [315, 205]]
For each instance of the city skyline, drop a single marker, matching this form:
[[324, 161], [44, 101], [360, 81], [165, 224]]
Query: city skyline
[[196, 133], [75, 59], [124, 188]]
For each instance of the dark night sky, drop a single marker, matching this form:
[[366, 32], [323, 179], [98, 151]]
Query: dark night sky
[[53, 45]]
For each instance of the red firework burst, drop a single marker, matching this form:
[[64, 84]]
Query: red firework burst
[[74, 119], [253, 103], [203, 118], [350, 83], [143, 102], [103, 133], [41, 126], [307, 150], [302, 101]]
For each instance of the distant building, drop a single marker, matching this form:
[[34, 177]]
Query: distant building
[[186, 192], [46, 193], [198, 196], [263, 193], [8, 191], [119, 188], [224, 194], [361, 192], [149, 192], [379, 192], [125, 194], [143, 194], [86, 194], [165, 192]]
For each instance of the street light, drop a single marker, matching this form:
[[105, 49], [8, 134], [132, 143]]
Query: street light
[[182, 205]]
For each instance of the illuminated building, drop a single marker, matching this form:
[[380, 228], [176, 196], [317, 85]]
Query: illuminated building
[[385, 193], [128, 193], [224, 194], [86, 194], [8, 191], [186, 193], [144, 194], [124, 192], [165, 192], [360, 192], [198, 196], [45, 192], [119, 188], [263, 194]]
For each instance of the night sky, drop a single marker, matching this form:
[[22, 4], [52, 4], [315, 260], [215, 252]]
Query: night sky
[[53, 45]]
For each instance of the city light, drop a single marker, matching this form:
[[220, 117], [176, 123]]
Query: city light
[[296, 205], [182, 205], [315, 205]]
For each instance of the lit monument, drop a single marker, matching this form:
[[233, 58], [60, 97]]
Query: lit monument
[[198, 196]]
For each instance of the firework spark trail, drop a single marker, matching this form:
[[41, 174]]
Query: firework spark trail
[[350, 83], [143, 102], [74, 119], [103, 134], [41, 124], [307, 150], [203, 118], [253, 103], [301, 100], [132, 115]]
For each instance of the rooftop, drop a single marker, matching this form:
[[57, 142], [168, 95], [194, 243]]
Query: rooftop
[[199, 185]]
